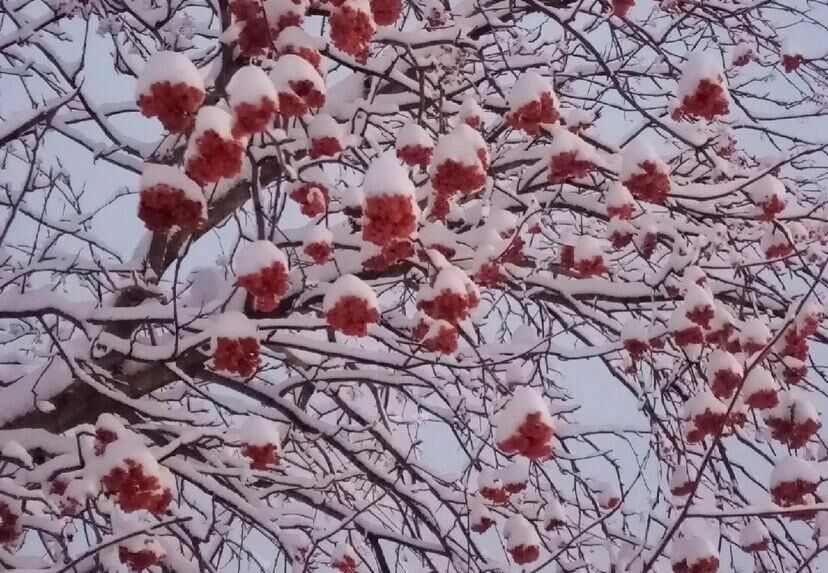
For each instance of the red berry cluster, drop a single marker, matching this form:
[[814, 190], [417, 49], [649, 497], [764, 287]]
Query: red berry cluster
[[313, 197], [724, 383], [443, 341], [721, 336], [300, 99], [514, 253], [255, 36], [452, 176], [529, 116], [483, 525], [791, 62], [238, 355], [9, 529], [138, 560], [763, 399], [174, 104], [351, 315], [620, 238], [647, 244], [388, 217], [553, 524], [566, 165], [708, 101], [743, 59], [789, 493], [415, 155], [267, 286], [497, 495], [444, 250], [490, 275], [701, 315], [707, 423], [216, 158], [788, 431], [324, 147], [261, 457], [391, 254], [310, 55], [103, 437], [532, 439], [635, 348], [450, 306], [709, 564], [345, 564], [623, 212], [386, 12], [163, 207], [651, 184], [351, 31], [591, 267], [622, 7], [688, 336], [771, 207], [320, 253], [567, 256], [136, 490], [250, 118], [474, 122], [757, 547], [522, 554], [682, 489], [779, 250]]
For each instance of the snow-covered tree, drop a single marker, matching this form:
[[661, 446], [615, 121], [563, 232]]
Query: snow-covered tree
[[445, 286]]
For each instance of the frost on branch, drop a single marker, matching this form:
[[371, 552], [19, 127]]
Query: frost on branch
[[350, 306], [170, 200], [171, 89], [524, 425]]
